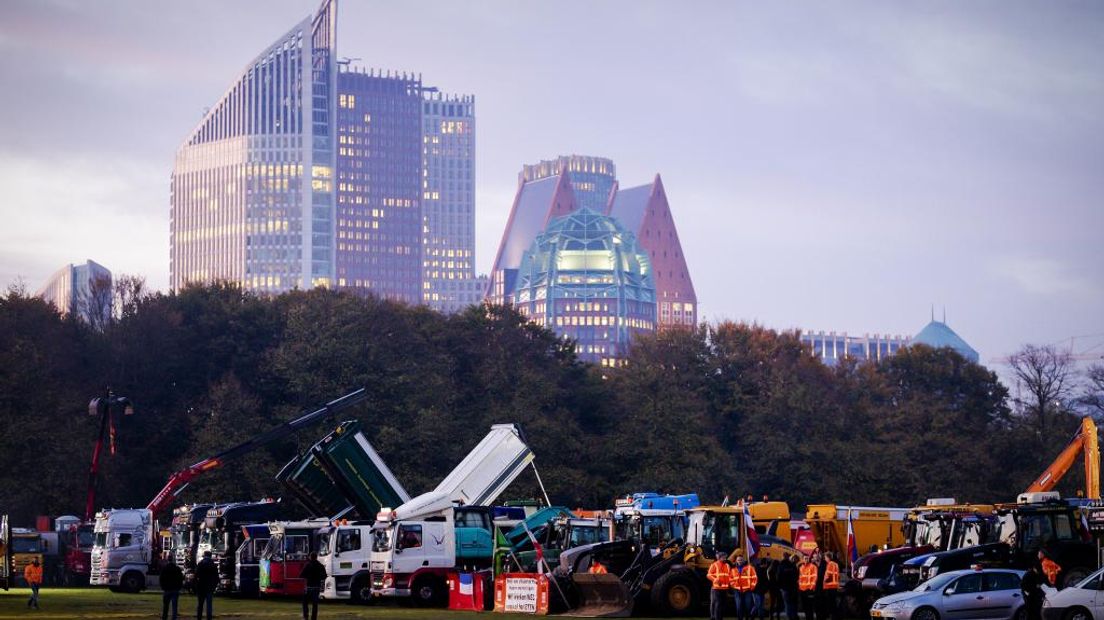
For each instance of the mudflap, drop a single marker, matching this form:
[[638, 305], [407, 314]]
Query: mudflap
[[600, 596]]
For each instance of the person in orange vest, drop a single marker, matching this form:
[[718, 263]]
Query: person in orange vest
[[33, 575], [827, 586], [720, 575], [744, 580], [597, 568], [806, 584], [1050, 568]]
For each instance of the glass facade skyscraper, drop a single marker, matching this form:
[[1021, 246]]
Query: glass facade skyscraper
[[309, 172], [83, 289], [379, 179], [448, 202], [585, 277], [252, 187]]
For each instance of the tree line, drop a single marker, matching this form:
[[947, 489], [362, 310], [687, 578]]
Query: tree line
[[724, 409]]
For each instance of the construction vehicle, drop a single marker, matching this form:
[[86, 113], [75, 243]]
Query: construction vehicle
[[1037, 521], [652, 519], [876, 527], [670, 583], [289, 546], [512, 536], [222, 534], [247, 559], [556, 535], [415, 545], [1085, 442], [125, 567], [5, 553], [184, 531], [27, 545], [926, 528]]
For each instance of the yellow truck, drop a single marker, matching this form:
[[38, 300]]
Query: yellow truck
[[25, 546], [771, 518], [874, 528]]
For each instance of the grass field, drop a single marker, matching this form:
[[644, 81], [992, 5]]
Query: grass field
[[94, 603]]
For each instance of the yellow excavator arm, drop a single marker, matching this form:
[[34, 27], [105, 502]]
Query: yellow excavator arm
[[1085, 441]]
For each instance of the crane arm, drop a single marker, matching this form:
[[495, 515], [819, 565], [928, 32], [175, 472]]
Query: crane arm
[[182, 478], [1085, 441]]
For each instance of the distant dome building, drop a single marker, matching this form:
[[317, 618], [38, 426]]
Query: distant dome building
[[938, 335], [586, 277]]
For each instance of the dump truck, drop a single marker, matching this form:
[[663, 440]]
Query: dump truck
[[125, 567], [5, 553], [874, 527], [415, 545], [222, 534], [670, 583]]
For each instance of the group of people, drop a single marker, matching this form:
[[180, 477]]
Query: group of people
[[775, 587], [207, 579]]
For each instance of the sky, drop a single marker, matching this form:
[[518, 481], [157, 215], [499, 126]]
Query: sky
[[840, 166]]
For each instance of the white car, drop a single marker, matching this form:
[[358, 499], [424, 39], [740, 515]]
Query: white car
[[973, 594], [1083, 601]]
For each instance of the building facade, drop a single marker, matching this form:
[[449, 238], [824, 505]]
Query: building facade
[[85, 290], [937, 334], [830, 347], [309, 172], [592, 178], [448, 202], [252, 186], [379, 182], [586, 278], [643, 210]]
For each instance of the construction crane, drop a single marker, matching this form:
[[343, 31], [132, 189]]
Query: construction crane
[[1084, 442]]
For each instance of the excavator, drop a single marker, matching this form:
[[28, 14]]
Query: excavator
[[1086, 442]]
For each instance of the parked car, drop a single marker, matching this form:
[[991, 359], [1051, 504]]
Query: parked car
[[1081, 601], [972, 594]]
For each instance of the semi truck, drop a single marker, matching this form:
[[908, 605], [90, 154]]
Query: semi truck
[[415, 545], [222, 534], [184, 532], [125, 567], [873, 527], [5, 553]]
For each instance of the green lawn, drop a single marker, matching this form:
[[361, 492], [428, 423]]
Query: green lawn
[[95, 603]]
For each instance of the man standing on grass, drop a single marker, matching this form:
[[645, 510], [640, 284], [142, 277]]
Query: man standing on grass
[[314, 574], [33, 575], [171, 580], [206, 580]]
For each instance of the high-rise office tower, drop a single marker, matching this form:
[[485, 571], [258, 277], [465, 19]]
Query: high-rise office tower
[[379, 181], [84, 290], [448, 202], [309, 172], [592, 178], [252, 187]]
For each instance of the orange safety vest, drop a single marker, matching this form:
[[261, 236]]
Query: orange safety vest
[[720, 575], [831, 576], [1051, 569], [598, 568], [807, 576], [33, 574], [744, 579]]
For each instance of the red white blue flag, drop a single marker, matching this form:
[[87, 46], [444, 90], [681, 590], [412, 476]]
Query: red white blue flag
[[752, 535], [852, 547]]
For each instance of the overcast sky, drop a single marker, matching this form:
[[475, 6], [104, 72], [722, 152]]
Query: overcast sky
[[830, 165]]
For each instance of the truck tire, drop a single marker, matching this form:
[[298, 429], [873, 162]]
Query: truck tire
[[132, 582], [428, 591], [676, 594], [360, 593]]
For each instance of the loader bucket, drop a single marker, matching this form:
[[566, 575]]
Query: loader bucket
[[601, 596]]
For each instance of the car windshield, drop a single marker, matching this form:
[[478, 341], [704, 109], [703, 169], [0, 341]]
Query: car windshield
[[84, 537], [657, 530], [101, 539], [181, 539], [935, 583], [26, 545], [324, 542], [586, 534], [213, 540]]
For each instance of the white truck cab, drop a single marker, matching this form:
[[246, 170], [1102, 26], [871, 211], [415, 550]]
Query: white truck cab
[[122, 548]]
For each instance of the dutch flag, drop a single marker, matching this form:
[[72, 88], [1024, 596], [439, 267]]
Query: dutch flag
[[852, 548], [752, 535]]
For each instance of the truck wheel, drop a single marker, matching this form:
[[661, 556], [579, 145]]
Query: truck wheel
[[361, 591], [427, 592], [132, 582], [676, 594]]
